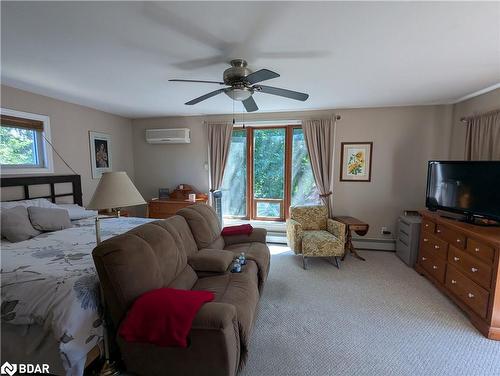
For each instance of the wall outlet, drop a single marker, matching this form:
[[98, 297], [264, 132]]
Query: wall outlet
[[384, 231]]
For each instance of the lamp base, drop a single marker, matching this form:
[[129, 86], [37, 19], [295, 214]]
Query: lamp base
[[109, 369]]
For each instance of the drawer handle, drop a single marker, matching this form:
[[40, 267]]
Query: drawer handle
[[470, 295], [438, 230], [436, 246], [426, 225], [476, 249], [453, 282], [426, 240], [424, 258], [459, 241], [434, 267], [456, 258], [474, 270]]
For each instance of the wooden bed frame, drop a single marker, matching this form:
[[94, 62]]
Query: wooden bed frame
[[51, 180]]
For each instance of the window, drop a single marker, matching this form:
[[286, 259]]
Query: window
[[234, 185], [268, 169], [23, 148]]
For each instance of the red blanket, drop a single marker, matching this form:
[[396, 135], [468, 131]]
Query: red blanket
[[237, 230], [163, 317]]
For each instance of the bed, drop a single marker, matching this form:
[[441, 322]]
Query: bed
[[50, 301]]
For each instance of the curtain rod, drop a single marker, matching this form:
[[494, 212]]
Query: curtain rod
[[465, 119], [275, 122]]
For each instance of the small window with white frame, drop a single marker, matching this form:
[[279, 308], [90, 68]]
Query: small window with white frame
[[23, 143]]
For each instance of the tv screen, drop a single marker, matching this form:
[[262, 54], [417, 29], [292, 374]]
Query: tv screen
[[468, 187]]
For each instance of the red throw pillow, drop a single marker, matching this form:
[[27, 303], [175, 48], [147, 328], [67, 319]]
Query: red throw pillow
[[237, 230], [163, 317]]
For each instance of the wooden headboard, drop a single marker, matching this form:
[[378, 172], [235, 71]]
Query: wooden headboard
[[51, 181]]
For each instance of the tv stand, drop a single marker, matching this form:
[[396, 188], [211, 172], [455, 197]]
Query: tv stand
[[462, 261], [468, 218]]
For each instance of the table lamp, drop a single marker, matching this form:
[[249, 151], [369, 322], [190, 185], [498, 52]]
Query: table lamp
[[114, 191]]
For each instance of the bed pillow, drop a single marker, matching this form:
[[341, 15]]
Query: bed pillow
[[16, 225], [49, 219], [39, 202], [77, 212]]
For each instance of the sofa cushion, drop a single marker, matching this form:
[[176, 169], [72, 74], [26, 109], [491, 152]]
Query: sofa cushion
[[204, 225], [180, 231], [240, 290], [211, 260], [257, 252], [163, 316]]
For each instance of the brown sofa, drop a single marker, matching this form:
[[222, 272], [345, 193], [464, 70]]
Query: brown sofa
[[186, 252]]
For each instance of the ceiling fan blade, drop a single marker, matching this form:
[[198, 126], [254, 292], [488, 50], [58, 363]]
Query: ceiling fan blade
[[202, 81], [261, 75], [250, 104], [206, 96], [282, 92]]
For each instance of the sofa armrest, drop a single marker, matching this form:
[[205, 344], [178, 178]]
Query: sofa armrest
[[215, 316], [258, 235], [337, 229], [211, 260], [294, 234]]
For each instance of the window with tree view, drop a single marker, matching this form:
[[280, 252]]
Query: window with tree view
[[268, 169]]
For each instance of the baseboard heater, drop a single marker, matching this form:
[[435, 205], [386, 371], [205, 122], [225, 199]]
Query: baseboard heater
[[371, 244]]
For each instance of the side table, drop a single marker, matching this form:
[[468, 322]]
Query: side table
[[356, 225]]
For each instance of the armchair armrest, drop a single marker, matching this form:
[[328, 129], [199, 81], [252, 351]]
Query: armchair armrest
[[215, 315], [337, 229], [294, 234], [211, 260], [258, 235]]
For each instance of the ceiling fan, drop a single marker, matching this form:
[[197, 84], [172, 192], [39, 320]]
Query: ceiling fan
[[242, 83]]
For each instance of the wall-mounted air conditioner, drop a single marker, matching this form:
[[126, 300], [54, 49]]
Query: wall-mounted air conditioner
[[168, 136]]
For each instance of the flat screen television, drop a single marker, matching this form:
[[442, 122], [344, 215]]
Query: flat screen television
[[471, 188]]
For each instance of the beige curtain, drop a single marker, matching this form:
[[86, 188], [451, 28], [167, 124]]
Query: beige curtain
[[482, 141], [219, 141], [320, 140]]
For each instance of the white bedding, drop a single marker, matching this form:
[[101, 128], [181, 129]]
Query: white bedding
[[50, 280]]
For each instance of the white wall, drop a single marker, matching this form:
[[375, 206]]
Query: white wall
[[404, 139], [70, 125]]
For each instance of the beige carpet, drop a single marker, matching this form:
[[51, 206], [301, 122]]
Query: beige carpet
[[377, 317]]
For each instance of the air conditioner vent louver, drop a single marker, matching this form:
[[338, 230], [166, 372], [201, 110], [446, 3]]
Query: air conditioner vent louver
[[168, 136]]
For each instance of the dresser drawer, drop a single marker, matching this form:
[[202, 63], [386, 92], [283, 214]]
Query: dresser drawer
[[478, 249], [469, 292], [451, 236], [428, 226], [472, 267], [435, 266], [434, 246]]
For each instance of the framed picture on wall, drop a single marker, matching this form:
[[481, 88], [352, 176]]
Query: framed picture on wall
[[356, 161], [100, 153]]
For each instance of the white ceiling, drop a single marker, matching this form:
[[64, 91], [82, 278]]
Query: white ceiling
[[118, 56]]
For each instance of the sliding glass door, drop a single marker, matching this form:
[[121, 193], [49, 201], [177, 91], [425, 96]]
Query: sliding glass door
[[268, 170]]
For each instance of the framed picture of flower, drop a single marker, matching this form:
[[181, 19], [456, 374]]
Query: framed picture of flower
[[356, 161]]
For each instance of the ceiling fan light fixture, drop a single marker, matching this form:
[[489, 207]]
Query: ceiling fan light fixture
[[239, 94]]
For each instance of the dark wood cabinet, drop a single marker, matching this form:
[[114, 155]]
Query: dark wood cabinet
[[162, 209], [462, 260]]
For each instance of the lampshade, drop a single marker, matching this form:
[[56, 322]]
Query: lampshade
[[115, 190]]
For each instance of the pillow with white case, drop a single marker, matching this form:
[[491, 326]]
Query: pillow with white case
[[38, 202], [77, 212]]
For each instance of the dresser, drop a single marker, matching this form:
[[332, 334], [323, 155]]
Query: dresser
[[462, 260], [162, 209]]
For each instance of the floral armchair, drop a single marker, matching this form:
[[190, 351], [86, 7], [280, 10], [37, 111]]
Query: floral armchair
[[311, 233]]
